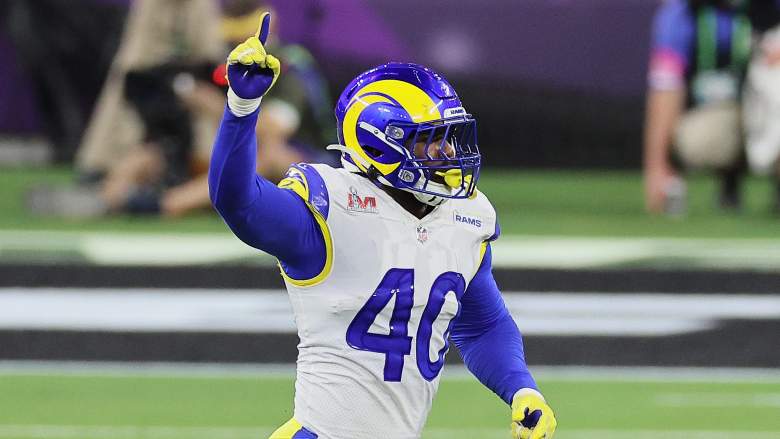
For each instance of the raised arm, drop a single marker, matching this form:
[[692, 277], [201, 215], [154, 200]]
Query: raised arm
[[492, 348], [277, 221]]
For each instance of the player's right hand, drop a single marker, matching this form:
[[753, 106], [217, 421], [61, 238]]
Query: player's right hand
[[251, 72]]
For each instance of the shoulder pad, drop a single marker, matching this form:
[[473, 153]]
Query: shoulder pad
[[477, 211], [304, 180]]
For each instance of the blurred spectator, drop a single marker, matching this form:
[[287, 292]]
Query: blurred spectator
[[54, 42], [700, 55], [157, 33], [150, 138], [761, 114]]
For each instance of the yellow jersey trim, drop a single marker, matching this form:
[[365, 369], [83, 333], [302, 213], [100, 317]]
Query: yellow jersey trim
[[301, 188], [287, 431], [482, 251]]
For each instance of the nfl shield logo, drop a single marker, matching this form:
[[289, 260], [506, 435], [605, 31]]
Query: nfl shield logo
[[422, 234]]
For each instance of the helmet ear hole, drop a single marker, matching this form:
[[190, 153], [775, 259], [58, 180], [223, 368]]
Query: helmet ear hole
[[372, 152]]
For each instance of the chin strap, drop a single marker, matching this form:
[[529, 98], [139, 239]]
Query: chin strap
[[431, 200], [349, 166], [372, 174]]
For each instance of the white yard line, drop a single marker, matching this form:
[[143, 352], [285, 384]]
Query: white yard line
[[721, 400], [133, 248], [129, 432], [451, 373], [268, 311], [145, 369], [176, 432], [137, 248], [593, 252]]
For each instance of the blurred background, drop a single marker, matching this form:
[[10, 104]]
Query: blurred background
[[630, 147]]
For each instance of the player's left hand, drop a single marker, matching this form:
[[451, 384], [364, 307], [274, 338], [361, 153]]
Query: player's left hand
[[532, 418]]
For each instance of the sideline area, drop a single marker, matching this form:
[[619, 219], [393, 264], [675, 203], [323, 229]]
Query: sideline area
[[513, 251], [549, 219]]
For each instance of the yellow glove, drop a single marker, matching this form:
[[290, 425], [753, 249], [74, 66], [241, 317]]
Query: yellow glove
[[251, 72], [532, 418]]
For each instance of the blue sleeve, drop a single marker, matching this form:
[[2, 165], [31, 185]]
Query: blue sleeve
[[674, 29], [274, 220], [488, 338]]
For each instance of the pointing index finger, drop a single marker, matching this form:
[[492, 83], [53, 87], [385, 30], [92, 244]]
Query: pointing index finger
[[264, 27]]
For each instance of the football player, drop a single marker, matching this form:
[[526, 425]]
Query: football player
[[384, 259]]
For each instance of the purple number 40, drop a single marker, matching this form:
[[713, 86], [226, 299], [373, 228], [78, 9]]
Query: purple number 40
[[397, 343]]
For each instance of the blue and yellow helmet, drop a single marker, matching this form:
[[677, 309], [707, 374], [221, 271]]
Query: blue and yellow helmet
[[404, 126]]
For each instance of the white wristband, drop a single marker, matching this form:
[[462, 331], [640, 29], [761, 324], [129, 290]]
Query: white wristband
[[239, 106], [527, 391]]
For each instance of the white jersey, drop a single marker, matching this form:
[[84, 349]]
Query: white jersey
[[373, 324]]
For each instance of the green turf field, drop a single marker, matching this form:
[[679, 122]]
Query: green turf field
[[159, 406], [571, 203]]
